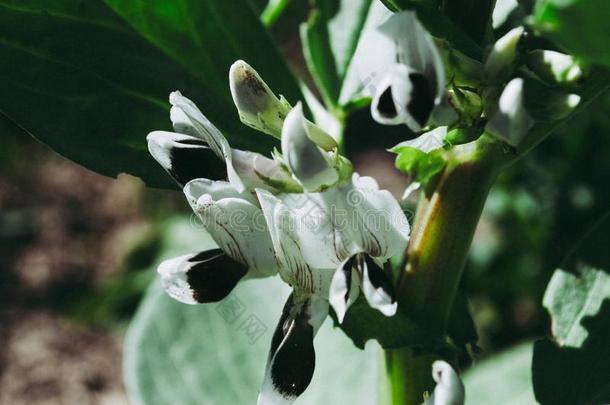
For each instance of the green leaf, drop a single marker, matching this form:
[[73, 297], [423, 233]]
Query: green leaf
[[216, 353], [363, 323], [580, 26], [330, 37], [79, 78], [422, 166], [502, 379], [573, 367]]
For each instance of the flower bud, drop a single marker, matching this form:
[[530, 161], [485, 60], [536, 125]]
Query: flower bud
[[308, 163], [500, 62], [554, 67], [258, 107]]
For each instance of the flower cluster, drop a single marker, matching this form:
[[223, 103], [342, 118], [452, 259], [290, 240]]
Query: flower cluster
[[302, 214]]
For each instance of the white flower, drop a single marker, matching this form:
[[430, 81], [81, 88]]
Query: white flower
[[449, 389], [189, 153], [301, 214], [402, 69], [350, 229]]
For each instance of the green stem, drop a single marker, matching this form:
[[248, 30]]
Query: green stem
[[443, 230], [409, 375], [441, 237], [273, 11]]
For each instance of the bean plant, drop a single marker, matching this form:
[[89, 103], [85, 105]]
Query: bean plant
[[196, 96]]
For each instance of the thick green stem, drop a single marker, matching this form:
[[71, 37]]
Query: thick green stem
[[409, 375], [444, 227], [445, 224]]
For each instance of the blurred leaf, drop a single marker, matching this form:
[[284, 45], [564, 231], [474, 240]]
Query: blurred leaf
[[81, 80], [216, 353], [581, 26], [363, 323], [502, 379], [329, 41], [573, 367]]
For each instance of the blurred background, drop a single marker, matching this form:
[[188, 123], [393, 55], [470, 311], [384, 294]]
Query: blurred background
[[77, 249]]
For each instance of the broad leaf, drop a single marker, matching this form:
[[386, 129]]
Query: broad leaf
[[573, 367], [79, 78], [504, 378], [216, 353], [582, 27]]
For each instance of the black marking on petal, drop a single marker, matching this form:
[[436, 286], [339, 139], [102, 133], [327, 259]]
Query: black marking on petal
[[347, 273], [378, 278], [195, 160], [386, 106], [292, 354], [213, 275], [421, 102]]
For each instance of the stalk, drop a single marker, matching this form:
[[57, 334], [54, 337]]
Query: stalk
[[444, 227], [445, 222]]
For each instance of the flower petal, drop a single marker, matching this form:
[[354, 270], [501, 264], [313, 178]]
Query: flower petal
[[376, 286], [305, 159], [344, 288], [235, 223], [285, 231], [187, 117], [326, 228], [258, 171], [449, 388], [401, 41], [512, 121], [291, 361], [207, 276], [383, 227], [184, 157]]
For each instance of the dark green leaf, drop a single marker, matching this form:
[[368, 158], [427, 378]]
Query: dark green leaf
[[462, 329], [573, 367], [216, 353], [581, 26], [80, 79], [363, 323]]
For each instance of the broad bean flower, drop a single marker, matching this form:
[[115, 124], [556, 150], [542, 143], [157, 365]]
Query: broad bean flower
[[301, 213]]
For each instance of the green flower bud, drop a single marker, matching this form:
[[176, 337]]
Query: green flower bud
[[554, 67], [257, 105], [500, 62], [467, 103]]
